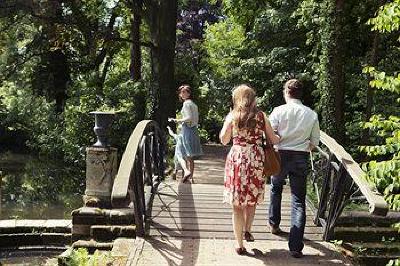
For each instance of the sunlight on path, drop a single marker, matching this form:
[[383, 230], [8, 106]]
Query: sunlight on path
[[191, 226]]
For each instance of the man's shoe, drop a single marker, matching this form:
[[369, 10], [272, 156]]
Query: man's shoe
[[275, 230], [296, 254]]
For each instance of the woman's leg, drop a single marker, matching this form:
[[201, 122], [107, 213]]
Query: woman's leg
[[249, 217], [191, 164], [185, 169], [190, 167], [238, 223]]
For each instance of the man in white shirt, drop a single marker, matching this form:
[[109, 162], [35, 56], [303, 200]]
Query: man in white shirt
[[298, 127]]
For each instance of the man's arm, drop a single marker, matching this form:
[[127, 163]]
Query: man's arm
[[315, 135], [274, 119], [226, 132]]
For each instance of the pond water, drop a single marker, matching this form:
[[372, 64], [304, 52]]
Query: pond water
[[39, 188], [29, 258]]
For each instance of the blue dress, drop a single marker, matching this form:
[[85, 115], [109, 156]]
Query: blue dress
[[179, 151], [190, 134], [191, 141]]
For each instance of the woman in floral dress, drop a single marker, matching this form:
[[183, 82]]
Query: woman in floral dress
[[244, 181]]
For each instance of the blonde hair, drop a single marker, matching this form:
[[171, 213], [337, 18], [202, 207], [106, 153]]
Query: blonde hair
[[244, 107]]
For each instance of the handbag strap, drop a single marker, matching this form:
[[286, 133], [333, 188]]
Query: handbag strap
[[265, 132]]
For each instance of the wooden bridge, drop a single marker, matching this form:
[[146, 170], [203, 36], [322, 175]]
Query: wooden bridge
[[187, 224]]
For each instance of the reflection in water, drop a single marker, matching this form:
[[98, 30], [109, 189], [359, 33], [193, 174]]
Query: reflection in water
[[33, 188], [29, 258]]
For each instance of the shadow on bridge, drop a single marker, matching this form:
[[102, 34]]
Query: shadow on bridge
[[172, 252], [190, 225]]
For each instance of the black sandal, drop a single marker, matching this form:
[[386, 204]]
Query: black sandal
[[241, 251], [186, 177], [248, 237]]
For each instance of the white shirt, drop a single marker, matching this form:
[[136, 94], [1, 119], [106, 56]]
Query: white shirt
[[190, 113], [296, 124]]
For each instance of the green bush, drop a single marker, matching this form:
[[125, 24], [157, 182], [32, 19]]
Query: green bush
[[81, 257]]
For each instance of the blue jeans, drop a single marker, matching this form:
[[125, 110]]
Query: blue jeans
[[295, 165]]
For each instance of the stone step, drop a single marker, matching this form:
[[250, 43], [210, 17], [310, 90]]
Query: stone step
[[373, 247], [361, 218], [34, 239], [84, 218], [375, 260], [15, 226], [102, 232], [106, 233], [372, 253], [9, 256], [92, 245], [366, 234], [90, 216]]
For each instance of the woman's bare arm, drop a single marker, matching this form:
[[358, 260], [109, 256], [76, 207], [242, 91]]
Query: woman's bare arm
[[270, 132], [226, 132]]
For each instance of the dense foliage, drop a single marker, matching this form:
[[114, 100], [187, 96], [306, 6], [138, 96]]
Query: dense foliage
[[62, 59], [385, 171]]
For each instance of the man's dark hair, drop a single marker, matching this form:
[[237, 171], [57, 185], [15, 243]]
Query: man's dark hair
[[294, 88]]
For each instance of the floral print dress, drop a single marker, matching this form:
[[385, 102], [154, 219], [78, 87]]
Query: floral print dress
[[244, 182]]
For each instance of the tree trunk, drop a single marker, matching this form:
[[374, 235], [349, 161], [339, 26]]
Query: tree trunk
[[370, 90], [55, 61], [135, 67], [162, 21], [59, 69], [338, 75]]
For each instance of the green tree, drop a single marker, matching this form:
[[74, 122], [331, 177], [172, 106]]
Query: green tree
[[68, 58], [384, 172], [257, 43]]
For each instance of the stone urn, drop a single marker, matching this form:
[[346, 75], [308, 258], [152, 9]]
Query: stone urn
[[102, 122], [101, 163]]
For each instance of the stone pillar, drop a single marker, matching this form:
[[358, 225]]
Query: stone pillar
[[101, 168]]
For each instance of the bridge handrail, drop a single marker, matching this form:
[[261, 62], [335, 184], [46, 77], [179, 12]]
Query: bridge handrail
[[126, 167], [136, 162], [377, 204]]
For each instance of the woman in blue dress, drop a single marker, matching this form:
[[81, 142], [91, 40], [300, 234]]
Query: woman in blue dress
[[190, 134]]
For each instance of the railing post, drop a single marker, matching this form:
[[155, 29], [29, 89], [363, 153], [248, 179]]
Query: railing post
[[137, 195], [337, 201], [324, 193]]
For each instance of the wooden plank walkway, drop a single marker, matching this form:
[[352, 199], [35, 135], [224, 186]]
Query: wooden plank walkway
[[191, 226]]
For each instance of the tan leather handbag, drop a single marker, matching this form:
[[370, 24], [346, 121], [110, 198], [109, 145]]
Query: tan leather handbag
[[272, 163]]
